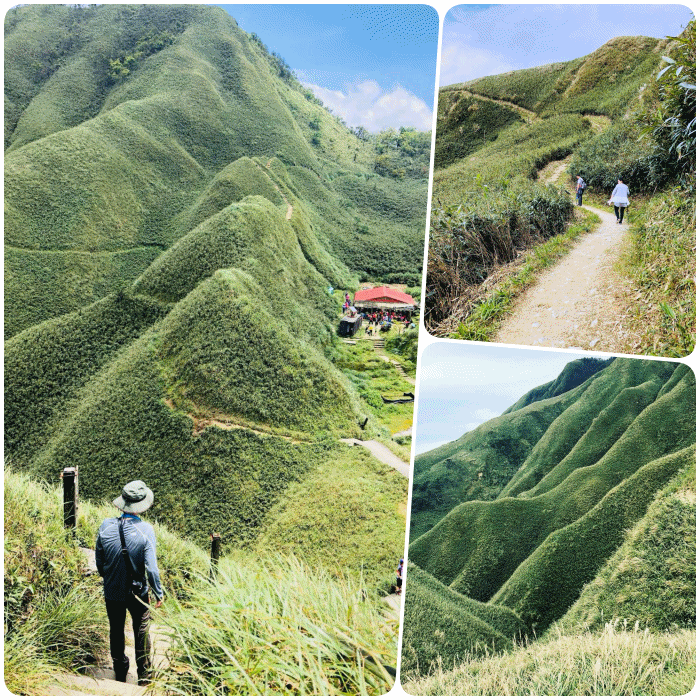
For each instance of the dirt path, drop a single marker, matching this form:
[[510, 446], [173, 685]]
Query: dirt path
[[382, 453], [528, 115], [576, 304], [290, 208]]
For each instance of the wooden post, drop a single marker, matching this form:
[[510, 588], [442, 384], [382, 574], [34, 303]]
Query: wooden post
[[70, 497], [215, 553]]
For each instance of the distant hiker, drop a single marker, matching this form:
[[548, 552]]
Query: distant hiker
[[125, 554], [399, 577], [580, 187], [620, 199]]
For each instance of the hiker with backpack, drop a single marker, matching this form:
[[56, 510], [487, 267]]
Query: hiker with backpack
[[580, 187], [620, 199], [125, 555]]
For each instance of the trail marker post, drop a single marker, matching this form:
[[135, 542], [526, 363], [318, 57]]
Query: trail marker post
[[215, 553], [70, 497]]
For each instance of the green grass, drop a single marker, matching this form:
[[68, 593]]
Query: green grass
[[443, 626], [374, 378], [347, 513], [483, 462], [508, 530], [105, 172], [651, 578], [547, 583], [616, 662], [465, 123], [661, 265], [484, 317], [278, 627], [487, 209], [324, 630], [604, 82]]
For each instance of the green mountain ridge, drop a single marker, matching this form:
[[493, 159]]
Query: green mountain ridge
[[145, 157], [611, 449], [177, 207]]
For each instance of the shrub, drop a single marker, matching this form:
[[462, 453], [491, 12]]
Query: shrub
[[619, 152]]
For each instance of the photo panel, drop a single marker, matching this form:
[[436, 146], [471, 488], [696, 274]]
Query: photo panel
[[215, 219], [563, 198], [552, 534]]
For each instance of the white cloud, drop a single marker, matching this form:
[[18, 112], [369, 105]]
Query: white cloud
[[460, 63], [367, 104]]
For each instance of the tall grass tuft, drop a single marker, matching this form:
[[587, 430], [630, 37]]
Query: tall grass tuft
[[468, 241], [617, 662], [273, 626]]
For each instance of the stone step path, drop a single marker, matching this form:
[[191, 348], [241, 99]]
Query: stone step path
[[99, 680]]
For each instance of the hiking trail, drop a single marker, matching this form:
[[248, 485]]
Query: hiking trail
[[290, 208], [99, 679], [578, 302], [382, 453], [378, 346]]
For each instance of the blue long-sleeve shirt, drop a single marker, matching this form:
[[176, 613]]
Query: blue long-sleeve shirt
[[141, 543]]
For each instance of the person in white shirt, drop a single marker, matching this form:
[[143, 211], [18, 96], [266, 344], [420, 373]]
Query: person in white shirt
[[620, 199]]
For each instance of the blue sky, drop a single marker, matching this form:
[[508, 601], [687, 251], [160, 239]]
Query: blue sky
[[483, 40], [462, 386], [373, 65]]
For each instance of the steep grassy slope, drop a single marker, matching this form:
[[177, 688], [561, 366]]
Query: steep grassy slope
[[124, 128], [611, 475], [177, 206], [572, 375], [603, 82], [465, 123], [651, 578], [312, 620], [443, 626], [484, 462], [509, 529]]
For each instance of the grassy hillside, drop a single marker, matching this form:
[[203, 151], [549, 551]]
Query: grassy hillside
[[511, 528], [619, 662], [540, 429], [55, 621], [603, 82], [125, 126], [611, 117], [443, 626], [177, 207], [603, 502]]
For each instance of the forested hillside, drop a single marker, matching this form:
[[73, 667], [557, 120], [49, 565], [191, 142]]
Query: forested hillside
[[512, 520]]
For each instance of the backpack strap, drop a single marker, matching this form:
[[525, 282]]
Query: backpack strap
[[125, 552]]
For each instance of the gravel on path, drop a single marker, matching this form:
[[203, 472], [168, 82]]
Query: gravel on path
[[576, 303]]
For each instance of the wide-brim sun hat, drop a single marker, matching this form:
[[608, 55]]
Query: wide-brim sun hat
[[136, 497]]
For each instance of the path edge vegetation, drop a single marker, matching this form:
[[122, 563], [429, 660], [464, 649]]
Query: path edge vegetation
[[488, 313]]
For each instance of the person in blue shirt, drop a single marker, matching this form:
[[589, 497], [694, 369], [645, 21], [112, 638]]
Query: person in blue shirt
[[580, 187], [127, 588]]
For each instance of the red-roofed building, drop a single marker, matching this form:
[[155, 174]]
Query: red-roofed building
[[384, 298]]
